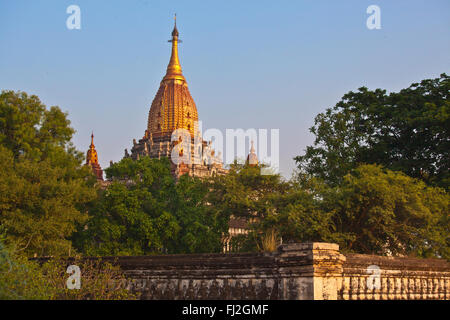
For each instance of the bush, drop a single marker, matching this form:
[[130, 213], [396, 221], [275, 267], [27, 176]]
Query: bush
[[22, 279]]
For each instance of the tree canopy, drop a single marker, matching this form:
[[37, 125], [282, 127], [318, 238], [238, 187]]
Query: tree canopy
[[373, 210], [404, 131], [145, 211], [43, 187], [386, 212]]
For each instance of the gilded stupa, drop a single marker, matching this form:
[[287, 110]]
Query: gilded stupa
[[252, 158], [92, 160], [174, 108]]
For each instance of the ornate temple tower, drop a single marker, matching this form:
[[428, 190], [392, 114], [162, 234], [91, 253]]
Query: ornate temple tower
[[92, 160], [173, 108], [252, 158]]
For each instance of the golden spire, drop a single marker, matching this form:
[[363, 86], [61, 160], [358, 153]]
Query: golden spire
[[252, 158], [173, 107], [92, 160], [174, 68], [91, 155]]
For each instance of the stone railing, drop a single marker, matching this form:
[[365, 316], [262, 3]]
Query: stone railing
[[300, 271], [367, 277]]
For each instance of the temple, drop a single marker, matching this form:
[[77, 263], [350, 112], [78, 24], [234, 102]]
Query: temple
[[92, 160], [252, 158], [173, 132], [173, 112]]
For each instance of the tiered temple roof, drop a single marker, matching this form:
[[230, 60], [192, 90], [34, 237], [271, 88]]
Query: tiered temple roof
[[92, 160]]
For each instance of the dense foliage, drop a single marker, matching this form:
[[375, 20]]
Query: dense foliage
[[386, 212], [22, 279], [144, 211], [374, 210], [43, 187], [404, 131]]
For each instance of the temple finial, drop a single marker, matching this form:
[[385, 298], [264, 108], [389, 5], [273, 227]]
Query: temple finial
[[174, 68], [175, 30], [92, 159]]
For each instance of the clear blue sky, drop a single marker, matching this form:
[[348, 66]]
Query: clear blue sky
[[249, 64]]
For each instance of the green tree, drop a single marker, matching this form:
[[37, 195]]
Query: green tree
[[245, 192], [28, 129], [406, 131], [44, 189], [201, 225], [373, 211], [24, 279], [385, 212], [304, 213], [145, 211], [274, 208], [21, 279]]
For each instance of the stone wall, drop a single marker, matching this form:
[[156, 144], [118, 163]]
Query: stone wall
[[302, 271], [290, 273]]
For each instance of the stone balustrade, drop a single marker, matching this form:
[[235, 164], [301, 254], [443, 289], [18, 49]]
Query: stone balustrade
[[298, 271], [397, 278]]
